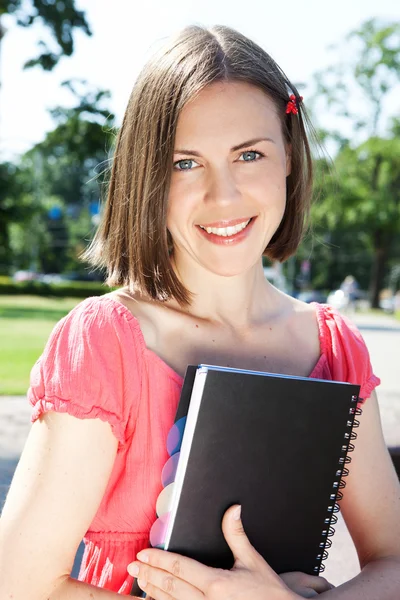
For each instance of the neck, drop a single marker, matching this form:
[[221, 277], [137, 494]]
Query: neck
[[239, 302]]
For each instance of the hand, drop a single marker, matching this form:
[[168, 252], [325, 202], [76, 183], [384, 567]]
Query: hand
[[306, 586], [168, 576]]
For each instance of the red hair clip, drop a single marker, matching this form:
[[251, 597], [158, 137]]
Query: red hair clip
[[293, 104]]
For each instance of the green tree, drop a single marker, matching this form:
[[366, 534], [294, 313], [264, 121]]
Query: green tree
[[364, 194], [356, 90], [16, 206], [363, 199], [47, 200], [60, 17], [77, 149], [17, 201], [53, 246], [69, 167]]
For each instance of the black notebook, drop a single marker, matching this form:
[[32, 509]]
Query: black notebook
[[276, 444]]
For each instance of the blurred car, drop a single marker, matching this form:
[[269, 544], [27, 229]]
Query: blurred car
[[25, 276], [51, 278], [337, 299], [388, 305], [67, 277], [89, 276], [311, 296]]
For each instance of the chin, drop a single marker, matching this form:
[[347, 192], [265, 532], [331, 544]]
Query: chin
[[225, 270]]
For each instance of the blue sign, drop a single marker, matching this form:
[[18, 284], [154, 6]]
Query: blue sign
[[55, 213], [94, 208]]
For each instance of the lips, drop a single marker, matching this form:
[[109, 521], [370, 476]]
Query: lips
[[226, 231], [225, 223], [227, 235]]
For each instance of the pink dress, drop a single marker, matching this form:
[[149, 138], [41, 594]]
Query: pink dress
[[96, 365]]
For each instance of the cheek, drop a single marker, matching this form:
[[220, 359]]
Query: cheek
[[177, 214], [172, 206], [183, 198], [269, 187]]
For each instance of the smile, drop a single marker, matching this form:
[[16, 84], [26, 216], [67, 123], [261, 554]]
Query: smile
[[229, 232], [226, 231]]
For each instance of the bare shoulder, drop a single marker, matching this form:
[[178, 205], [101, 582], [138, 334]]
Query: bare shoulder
[[302, 317], [151, 315], [134, 302]]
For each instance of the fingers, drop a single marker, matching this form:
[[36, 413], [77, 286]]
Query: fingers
[[303, 584], [166, 569], [162, 585], [243, 552], [158, 595], [322, 584]]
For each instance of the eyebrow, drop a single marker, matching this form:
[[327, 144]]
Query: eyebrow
[[233, 149]]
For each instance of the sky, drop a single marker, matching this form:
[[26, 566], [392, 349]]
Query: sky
[[125, 32]]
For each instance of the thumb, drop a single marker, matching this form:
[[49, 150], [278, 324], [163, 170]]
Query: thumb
[[243, 552]]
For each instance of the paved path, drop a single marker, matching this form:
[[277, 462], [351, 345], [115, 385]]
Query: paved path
[[14, 427], [382, 335]]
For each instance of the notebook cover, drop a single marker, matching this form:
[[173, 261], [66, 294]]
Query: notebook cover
[[273, 445]]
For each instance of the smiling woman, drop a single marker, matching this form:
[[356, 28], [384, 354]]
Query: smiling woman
[[177, 121], [228, 195], [212, 170]]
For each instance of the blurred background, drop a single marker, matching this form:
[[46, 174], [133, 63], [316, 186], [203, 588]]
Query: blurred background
[[66, 71]]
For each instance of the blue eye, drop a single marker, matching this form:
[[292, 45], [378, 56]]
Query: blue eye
[[251, 156], [184, 165], [188, 164]]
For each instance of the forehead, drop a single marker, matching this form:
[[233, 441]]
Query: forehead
[[225, 106]]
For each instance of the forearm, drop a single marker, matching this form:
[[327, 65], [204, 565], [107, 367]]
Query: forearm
[[71, 589], [379, 580]]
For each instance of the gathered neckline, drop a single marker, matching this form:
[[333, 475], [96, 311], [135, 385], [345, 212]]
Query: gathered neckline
[[125, 312]]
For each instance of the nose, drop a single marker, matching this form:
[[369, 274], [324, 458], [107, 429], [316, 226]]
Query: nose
[[222, 188]]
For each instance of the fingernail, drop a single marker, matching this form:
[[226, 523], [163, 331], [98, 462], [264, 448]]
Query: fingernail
[[142, 556], [142, 583], [236, 513], [133, 570]]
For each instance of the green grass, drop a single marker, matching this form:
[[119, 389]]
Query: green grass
[[25, 324]]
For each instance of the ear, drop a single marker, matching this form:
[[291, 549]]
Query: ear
[[288, 159]]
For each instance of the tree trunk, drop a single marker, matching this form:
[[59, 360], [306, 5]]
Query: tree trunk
[[378, 267], [380, 248], [4, 247]]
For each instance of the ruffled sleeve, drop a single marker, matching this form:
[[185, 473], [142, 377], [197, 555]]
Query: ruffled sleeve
[[346, 351], [90, 368]]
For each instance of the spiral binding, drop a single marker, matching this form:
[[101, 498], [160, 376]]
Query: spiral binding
[[338, 485]]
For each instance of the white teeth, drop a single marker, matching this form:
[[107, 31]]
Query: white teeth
[[226, 231]]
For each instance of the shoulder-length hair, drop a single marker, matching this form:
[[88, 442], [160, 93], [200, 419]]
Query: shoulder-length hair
[[132, 242]]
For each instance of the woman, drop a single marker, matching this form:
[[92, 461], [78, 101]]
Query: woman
[[212, 169]]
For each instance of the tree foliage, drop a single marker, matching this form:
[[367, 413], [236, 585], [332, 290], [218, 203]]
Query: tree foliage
[[60, 17], [75, 153], [362, 188], [63, 175], [362, 196], [16, 206], [355, 87]]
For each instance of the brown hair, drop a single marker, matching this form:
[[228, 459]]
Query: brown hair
[[132, 241]]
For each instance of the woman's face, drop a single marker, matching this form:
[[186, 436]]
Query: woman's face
[[228, 186]]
